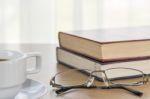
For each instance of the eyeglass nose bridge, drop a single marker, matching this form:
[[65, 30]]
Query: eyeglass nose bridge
[[103, 76], [145, 79], [90, 81]]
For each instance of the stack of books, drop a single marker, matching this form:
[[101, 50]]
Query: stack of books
[[106, 48]]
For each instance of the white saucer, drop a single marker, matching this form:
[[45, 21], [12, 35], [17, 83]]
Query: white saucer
[[32, 90]]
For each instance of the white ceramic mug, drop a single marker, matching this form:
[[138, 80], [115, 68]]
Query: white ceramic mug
[[13, 71]]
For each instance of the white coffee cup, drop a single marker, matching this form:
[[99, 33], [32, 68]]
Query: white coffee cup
[[13, 71]]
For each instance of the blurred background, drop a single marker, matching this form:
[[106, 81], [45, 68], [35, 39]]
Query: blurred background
[[38, 21]]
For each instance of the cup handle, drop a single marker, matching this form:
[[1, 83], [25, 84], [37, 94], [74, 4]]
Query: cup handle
[[38, 62]]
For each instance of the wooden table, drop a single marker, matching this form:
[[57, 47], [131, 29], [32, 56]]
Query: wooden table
[[50, 67]]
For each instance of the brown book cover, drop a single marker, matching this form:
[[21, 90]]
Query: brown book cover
[[108, 44], [78, 61]]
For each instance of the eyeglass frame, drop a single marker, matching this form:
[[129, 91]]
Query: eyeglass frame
[[108, 83]]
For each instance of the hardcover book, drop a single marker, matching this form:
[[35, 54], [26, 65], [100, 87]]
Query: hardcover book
[[108, 44], [81, 62]]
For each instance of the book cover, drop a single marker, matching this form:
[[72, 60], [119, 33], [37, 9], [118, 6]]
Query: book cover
[[108, 44]]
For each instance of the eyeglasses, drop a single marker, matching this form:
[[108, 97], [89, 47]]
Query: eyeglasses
[[76, 79]]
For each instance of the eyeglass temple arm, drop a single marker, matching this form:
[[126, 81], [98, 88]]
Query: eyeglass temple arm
[[135, 92], [64, 89]]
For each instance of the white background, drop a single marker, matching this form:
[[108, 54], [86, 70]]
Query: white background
[[38, 21]]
